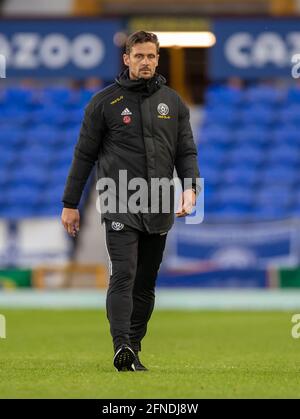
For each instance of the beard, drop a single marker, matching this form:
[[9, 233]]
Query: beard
[[147, 75]]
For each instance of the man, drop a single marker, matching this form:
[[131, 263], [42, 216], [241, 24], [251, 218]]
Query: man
[[140, 126]]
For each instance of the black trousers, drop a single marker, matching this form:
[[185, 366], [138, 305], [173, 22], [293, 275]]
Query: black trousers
[[135, 258]]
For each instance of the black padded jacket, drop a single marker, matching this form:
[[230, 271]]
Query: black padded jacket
[[143, 127]]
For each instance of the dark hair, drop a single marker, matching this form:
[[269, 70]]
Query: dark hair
[[139, 38]]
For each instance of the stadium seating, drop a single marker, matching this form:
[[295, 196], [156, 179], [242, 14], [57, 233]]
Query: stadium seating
[[248, 141], [38, 131], [249, 152]]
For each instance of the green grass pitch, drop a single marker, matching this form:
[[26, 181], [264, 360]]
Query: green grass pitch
[[190, 354]]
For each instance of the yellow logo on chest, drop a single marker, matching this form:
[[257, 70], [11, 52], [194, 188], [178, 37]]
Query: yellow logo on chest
[[118, 99], [163, 117]]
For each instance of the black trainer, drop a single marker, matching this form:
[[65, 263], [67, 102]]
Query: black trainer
[[124, 358], [137, 365]]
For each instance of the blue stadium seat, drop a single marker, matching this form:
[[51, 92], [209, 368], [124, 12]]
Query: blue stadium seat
[[246, 177], [11, 137], [57, 95], [232, 213], [279, 175], [221, 115], [49, 210], [38, 155], [277, 195], [290, 115], [58, 175], [22, 195], [18, 96], [252, 134], [218, 95], [264, 95], [237, 196], [216, 135], [269, 212], [258, 114], [18, 211], [282, 156], [29, 176], [211, 156], [14, 115], [211, 176], [251, 156], [293, 95], [73, 117], [296, 195], [295, 211], [52, 196], [287, 134], [43, 135], [7, 156], [48, 116], [61, 162], [71, 134]]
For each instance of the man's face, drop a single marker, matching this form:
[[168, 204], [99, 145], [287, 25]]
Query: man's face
[[142, 60]]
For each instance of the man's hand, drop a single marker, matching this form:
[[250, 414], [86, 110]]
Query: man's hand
[[70, 219], [186, 202]]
